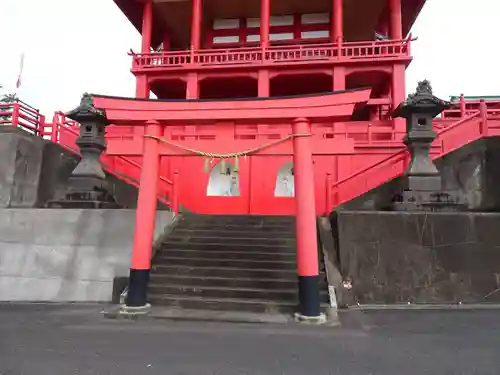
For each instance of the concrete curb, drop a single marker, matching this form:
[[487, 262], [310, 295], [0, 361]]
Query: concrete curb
[[313, 320], [166, 313], [173, 313], [424, 307]]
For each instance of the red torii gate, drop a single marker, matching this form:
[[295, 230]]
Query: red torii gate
[[152, 115]]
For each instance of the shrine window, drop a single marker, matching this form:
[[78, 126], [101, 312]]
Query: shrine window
[[224, 180], [289, 29], [285, 182]]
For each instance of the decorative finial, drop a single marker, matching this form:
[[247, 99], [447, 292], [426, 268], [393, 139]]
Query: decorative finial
[[422, 101], [86, 100], [424, 87], [87, 110]]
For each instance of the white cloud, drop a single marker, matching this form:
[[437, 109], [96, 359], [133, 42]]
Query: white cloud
[[75, 46]]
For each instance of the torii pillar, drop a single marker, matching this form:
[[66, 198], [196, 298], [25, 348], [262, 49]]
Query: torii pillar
[[142, 250], [306, 232]]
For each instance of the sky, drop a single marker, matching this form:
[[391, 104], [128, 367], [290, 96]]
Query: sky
[[77, 46]]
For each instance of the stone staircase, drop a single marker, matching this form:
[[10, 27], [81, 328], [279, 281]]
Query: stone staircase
[[228, 263]]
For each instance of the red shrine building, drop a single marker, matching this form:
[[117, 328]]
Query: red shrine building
[[254, 115], [253, 118], [261, 106], [265, 56]]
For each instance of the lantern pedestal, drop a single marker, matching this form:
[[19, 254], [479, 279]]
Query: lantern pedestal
[[421, 188], [87, 186]]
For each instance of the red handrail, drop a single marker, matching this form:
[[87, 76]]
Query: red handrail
[[61, 124], [175, 198], [23, 116], [20, 115], [329, 190], [462, 108], [392, 159]]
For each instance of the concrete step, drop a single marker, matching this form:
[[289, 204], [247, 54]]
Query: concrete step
[[223, 263], [227, 254], [232, 241], [199, 303], [228, 272], [222, 292], [222, 246], [240, 219], [222, 232], [229, 263], [237, 227], [252, 283], [290, 295]]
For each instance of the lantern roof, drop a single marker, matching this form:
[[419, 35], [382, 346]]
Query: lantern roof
[[421, 102]]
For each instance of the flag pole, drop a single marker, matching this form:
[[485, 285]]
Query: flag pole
[[20, 76]]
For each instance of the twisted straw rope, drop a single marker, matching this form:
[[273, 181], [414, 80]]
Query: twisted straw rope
[[214, 155]]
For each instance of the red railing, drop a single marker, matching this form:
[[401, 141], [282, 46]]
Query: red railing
[[20, 115], [449, 139], [451, 135], [65, 132], [464, 108], [280, 54]]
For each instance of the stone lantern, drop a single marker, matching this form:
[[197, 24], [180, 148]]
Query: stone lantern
[[87, 186], [422, 184]]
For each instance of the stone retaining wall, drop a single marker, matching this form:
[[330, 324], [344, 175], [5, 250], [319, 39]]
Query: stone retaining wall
[[410, 257], [66, 255]]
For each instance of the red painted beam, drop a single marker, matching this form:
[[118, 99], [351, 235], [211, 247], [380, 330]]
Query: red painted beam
[[126, 111]]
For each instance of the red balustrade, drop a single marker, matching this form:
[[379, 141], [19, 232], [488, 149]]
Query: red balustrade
[[23, 116], [280, 54], [65, 132], [464, 108], [450, 138]]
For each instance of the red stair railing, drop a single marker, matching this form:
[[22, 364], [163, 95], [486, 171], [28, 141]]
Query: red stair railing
[[451, 136], [20, 115], [65, 132], [449, 139], [464, 108]]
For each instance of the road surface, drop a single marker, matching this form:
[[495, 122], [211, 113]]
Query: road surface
[[65, 340]]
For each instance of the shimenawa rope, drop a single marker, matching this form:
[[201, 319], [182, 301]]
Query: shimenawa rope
[[235, 155]]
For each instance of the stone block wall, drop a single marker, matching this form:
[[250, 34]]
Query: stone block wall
[[426, 258]]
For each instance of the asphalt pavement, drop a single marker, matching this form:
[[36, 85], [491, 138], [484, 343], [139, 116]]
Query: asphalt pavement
[[74, 339]]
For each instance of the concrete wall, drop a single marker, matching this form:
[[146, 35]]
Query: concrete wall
[[472, 172], [66, 255], [20, 167], [57, 165], [430, 258]]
